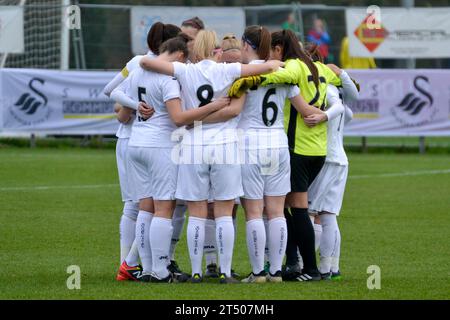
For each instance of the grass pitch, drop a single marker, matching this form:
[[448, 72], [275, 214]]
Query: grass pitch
[[62, 207]]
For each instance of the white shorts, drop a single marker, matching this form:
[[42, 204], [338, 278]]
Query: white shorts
[[266, 172], [327, 190], [209, 180], [155, 174], [124, 169]]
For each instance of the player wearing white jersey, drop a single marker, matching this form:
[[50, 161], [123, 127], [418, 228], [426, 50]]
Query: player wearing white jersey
[[327, 190], [150, 148], [231, 48], [157, 34], [265, 160], [209, 153]]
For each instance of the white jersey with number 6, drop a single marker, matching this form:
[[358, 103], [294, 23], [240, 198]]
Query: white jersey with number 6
[[262, 121]]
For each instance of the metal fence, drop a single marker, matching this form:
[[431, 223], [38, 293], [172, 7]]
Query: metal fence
[[104, 41], [106, 29]]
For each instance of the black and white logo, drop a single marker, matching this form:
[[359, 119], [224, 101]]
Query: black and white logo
[[416, 108], [413, 103], [31, 107]]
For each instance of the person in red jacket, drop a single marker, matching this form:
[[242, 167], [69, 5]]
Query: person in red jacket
[[319, 35]]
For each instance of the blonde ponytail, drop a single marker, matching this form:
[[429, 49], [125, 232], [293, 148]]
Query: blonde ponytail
[[205, 43]]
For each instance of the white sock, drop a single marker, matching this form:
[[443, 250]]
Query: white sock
[[235, 224], [329, 241], [277, 243], [160, 236], [317, 235], [210, 242], [266, 247], [300, 259], [132, 258], [178, 219], [337, 252], [143, 222], [256, 241], [225, 243], [127, 228], [195, 241]]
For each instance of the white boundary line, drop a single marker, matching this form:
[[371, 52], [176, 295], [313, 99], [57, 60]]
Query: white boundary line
[[400, 174], [88, 186], [96, 186]]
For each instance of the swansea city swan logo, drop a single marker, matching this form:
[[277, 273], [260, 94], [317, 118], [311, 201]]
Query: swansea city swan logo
[[413, 103], [31, 107], [416, 107], [28, 103]]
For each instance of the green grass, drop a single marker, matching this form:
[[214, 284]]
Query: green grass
[[400, 223]]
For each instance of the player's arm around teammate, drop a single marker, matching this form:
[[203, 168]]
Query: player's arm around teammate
[[327, 191], [202, 82], [307, 148]]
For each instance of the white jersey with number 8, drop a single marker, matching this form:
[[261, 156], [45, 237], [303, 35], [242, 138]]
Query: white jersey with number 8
[[201, 83]]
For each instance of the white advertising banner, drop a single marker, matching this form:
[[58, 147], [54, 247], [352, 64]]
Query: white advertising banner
[[56, 102], [392, 102], [222, 20], [401, 103], [11, 29], [399, 32]]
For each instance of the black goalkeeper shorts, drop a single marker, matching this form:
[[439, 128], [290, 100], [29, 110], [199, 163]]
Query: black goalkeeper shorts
[[304, 169]]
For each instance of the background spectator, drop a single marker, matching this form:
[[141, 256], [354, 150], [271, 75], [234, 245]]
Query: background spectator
[[290, 24], [349, 62], [320, 36]]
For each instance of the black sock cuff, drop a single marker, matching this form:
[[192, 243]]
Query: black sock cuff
[[299, 210]]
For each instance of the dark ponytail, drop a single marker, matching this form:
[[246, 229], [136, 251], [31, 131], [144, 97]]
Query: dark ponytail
[[313, 50], [288, 41], [179, 43], [259, 39], [160, 32]]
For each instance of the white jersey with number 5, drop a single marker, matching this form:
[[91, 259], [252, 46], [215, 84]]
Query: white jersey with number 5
[[155, 89], [201, 83], [261, 121], [124, 130]]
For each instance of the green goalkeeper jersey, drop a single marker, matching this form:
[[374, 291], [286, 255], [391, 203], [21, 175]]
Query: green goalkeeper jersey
[[302, 139]]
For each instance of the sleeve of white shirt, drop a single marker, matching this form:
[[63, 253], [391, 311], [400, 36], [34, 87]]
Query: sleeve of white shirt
[[121, 95], [348, 115], [133, 64], [334, 102], [122, 75], [179, 69], [170, 89], [293, 91], [117, 80], [350, 91], [232, 70]]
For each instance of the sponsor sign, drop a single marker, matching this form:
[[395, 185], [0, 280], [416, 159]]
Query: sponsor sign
[[399, 32], [66, 102], [401, 103]]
